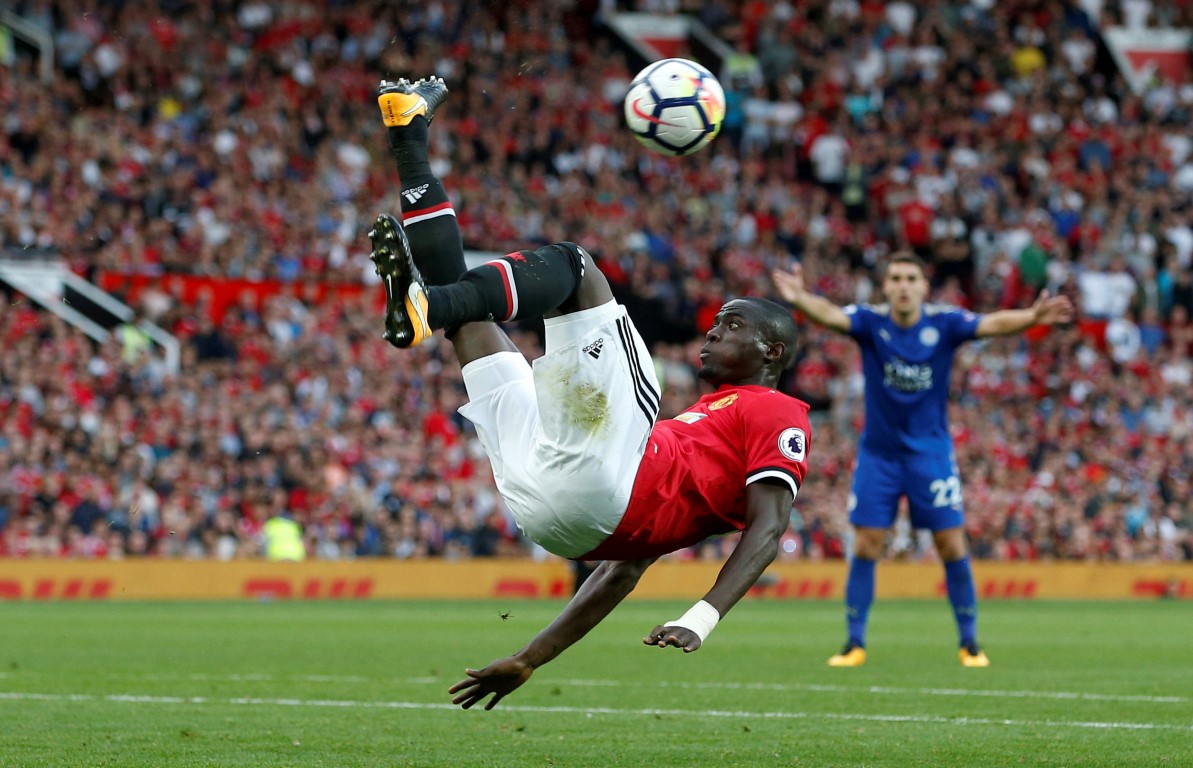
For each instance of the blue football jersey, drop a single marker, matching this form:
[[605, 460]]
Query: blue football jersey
[[907, 374]]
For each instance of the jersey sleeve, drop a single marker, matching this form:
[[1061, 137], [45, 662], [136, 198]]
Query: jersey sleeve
[[778, 438], [960, 325], [861, 321]]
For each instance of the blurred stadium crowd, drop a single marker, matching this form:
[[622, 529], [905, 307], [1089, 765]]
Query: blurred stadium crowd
[[241, 139]]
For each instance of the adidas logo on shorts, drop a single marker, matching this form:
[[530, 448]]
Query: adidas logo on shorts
[[594, 349], [414, 193]]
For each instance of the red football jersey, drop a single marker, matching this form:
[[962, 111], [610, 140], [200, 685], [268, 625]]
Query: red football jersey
[[692, 481]]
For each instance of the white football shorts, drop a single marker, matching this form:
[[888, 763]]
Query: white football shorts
[[565, 439]]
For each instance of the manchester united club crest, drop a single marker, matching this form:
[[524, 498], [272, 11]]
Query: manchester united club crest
[[724, 402]]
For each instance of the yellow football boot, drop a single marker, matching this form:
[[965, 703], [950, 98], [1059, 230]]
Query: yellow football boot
[[406, 302], [850, 656], [401, 101], [973, 656]]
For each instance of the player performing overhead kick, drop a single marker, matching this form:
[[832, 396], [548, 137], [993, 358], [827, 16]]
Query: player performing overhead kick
[[576, 452]]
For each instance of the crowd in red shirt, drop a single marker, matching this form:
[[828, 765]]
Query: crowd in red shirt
[[223, 140]]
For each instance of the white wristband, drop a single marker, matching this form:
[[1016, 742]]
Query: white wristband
[[700, 618]]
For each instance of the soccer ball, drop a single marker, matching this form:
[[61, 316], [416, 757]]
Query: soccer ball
[[675, 106]]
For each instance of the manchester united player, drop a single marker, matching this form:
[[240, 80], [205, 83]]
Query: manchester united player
[[576, 452]]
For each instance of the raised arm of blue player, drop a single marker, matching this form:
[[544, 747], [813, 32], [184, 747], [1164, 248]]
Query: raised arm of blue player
[[1047, 310], [816, 308], [768, 513]]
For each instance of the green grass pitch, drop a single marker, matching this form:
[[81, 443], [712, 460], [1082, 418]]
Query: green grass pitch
[[364, 684]]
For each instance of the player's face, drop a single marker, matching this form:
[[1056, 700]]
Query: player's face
[[905, 287], [733, 351]]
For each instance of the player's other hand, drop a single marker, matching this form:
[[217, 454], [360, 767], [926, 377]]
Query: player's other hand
[[663, 636], [790, 284], [499, 678], [1051, 310]]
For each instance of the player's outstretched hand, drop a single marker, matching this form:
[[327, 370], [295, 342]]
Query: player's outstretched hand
[[499, 678], [664, 635], [789, 284], [1051, 310]]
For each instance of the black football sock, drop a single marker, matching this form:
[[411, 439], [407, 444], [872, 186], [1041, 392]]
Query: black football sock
[[427, 214], [408, 144], [515, 286]]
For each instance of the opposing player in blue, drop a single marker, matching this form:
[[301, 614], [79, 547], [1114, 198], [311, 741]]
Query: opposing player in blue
[[905, 449]]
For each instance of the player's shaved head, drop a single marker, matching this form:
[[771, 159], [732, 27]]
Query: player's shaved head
[[775, 325], [752, 341]]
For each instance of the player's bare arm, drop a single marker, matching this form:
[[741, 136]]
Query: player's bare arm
[[818, 309], [608, 585], [768, 512], [1047, 310]]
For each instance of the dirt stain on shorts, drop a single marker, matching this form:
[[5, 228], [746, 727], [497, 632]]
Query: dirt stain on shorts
[[581, 403], [591, 408]]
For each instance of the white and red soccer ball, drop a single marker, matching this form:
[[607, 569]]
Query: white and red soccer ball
[[675, 106]]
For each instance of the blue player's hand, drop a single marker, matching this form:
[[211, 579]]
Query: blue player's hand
[[790, 284]]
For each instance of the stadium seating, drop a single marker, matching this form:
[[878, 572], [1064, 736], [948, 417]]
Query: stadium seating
[[998, 140]]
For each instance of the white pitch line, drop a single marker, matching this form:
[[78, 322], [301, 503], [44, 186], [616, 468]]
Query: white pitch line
[[791, 687], [271, 678], [588, 711], [796, 687], [256, 677]]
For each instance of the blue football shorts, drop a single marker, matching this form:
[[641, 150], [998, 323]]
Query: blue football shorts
[[930, 482]]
